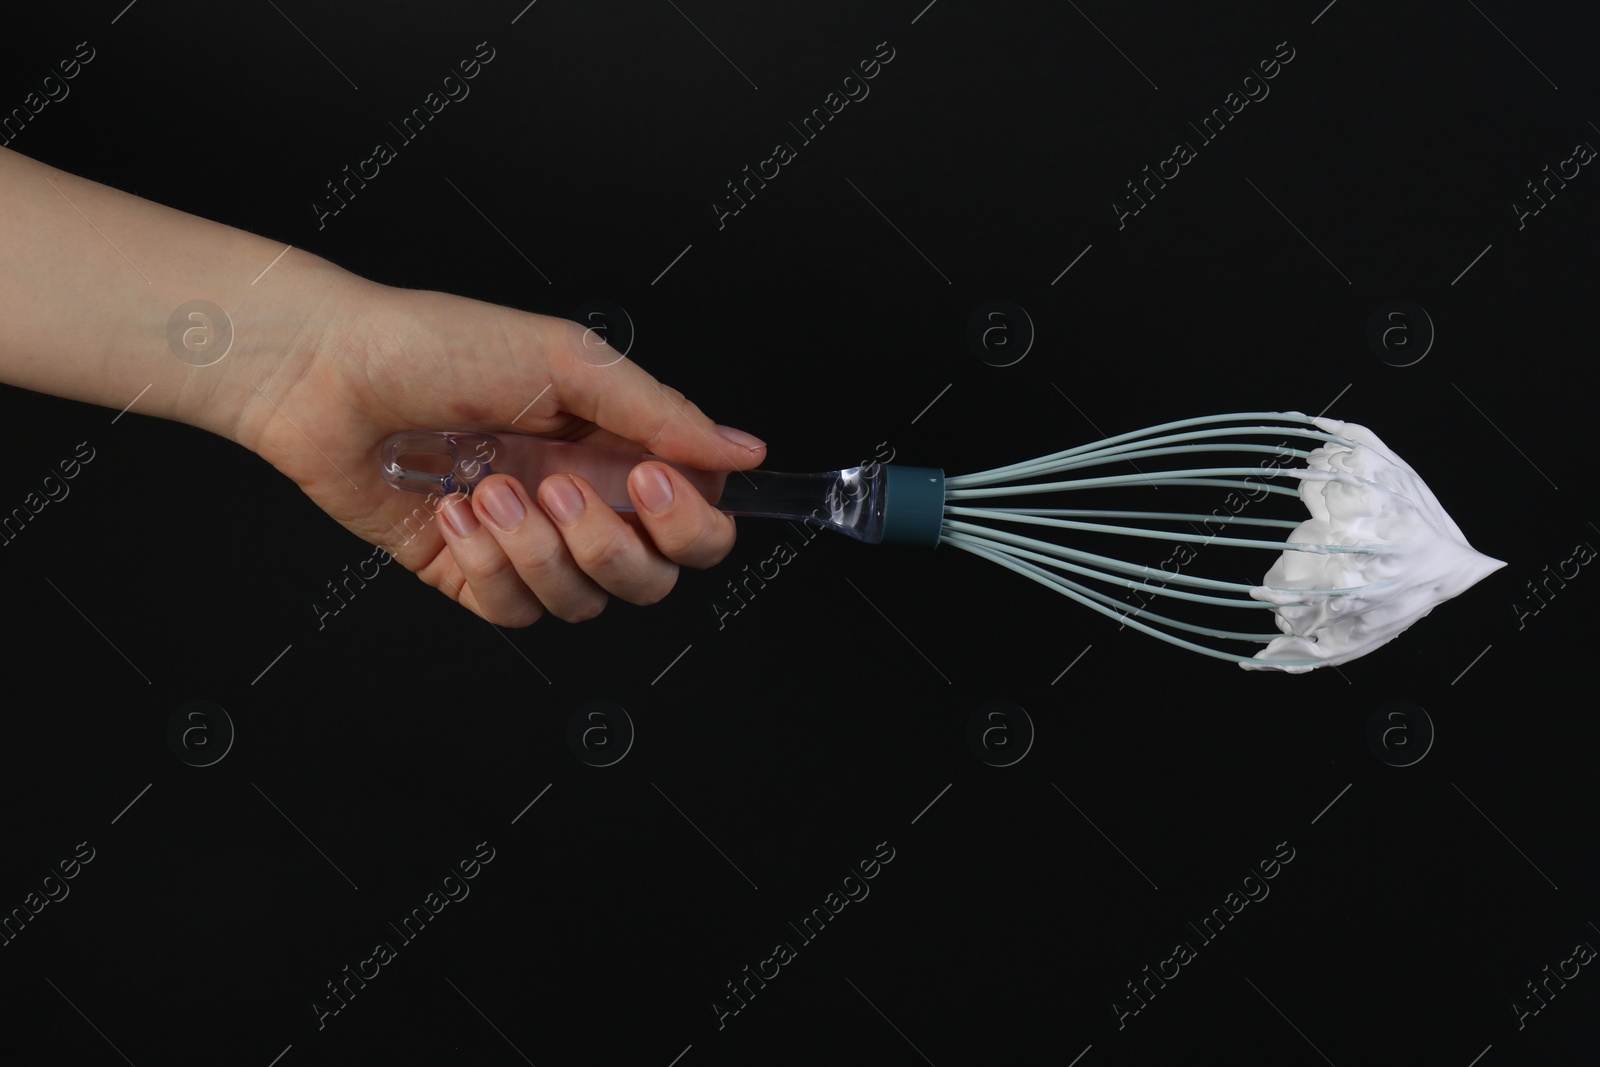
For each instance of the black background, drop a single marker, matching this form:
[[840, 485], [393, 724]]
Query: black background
[[778, 751]]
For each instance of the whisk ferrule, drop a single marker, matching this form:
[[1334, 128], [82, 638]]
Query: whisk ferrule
[[913, 505]]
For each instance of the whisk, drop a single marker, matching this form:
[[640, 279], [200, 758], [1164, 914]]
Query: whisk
[[1377, 552]]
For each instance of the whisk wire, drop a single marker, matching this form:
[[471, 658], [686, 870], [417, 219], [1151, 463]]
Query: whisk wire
[[1050, 564], [1122, 611], [1023, 516], [1175, 516], [1148, 449], [1072, 559], [1186, 477], [1107, 451], [1070, 589]]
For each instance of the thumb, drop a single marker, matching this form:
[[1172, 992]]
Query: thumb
[[597, 383]]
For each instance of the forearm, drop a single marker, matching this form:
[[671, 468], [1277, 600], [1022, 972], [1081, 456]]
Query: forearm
[[90, 277]]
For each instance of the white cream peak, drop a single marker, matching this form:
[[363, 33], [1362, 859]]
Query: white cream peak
[[1402, 555]]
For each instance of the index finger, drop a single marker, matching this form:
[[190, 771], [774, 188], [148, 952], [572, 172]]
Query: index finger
[[623, 399]]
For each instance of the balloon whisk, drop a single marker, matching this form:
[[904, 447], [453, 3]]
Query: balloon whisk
[[1376, 552]]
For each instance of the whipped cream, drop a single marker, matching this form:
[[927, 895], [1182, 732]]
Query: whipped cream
[[1335, 605]]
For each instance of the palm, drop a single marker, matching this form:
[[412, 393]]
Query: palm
[[449, 364]]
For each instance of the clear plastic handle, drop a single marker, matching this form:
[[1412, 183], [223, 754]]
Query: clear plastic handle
[[852, 501], [449, 462]]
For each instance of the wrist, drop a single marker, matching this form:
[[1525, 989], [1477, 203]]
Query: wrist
[[282, 335], [118, 301]]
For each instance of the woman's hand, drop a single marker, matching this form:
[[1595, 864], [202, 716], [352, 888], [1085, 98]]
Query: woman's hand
[[387, 360], [316, 368]]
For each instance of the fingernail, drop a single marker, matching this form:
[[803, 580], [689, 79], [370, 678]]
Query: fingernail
[[459, 514], [654, 489], [740, 438], [561, 499], [502, 505]]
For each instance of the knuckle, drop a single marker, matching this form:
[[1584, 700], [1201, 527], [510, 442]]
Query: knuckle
[[678, 407], [604, 551], [698, 544], [488, 570], [541, 560], [712, 558], [659, 429], [462, 594], [571, 335], [585, 611], [655, 592], [520, 616], [685, 545]]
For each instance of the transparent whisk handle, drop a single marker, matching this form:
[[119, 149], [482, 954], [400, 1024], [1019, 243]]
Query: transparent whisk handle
[[854, 501]]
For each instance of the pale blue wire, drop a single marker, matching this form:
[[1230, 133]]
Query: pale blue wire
[[1105, 598], [1225, 483], [1133, 479], [1103, 576], [1143, 449], [1006, 548], [1107, 447], [1084, 463], [1175, 516], [1043, 462], [1059, 555], [1160, 535], [1057, 584]]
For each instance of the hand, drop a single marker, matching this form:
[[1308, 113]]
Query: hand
[[324, 366], [391, 359]]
